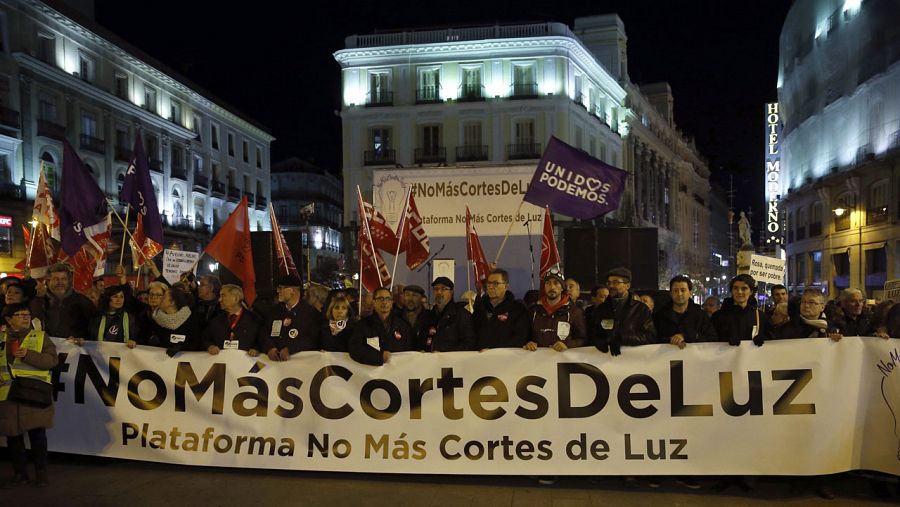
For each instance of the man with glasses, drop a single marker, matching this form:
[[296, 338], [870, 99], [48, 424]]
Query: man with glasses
[[622, 319], [556, 321], [380, 334], [811, 321], [294, 325], [500, 320], [66, 312], [450, 327]]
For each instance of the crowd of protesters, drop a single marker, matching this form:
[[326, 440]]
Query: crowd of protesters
[[205, 315]]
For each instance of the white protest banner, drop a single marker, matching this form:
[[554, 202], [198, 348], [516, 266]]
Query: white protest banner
[[493, 194], [176, 262], [767, 269], [793, 407]]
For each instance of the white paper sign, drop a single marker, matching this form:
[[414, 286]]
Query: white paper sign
[[767, 269], [892, 290], [176, 262]]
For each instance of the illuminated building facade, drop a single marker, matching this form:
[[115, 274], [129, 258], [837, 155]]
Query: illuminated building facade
[[64, 77], [839, 93], [493, 96], [296, 184]]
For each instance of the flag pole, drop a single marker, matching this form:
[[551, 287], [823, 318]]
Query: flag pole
[[400, 235], [119, 217], [31, 248], [124, 237], [508, 230], [273, 221], [369, 234]]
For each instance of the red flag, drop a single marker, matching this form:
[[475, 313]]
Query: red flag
[[231, 247], [475, 253], [282, 252], [149, 248], [549, 253], [382, 236], [373, 271], [89, 261], [412, 236], [40, 252]]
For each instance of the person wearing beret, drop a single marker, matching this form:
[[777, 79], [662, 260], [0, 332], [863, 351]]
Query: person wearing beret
[[293, 324], [450, 324]]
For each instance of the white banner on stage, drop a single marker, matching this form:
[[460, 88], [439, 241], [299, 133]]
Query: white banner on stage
[[790, 407], [493, 195]]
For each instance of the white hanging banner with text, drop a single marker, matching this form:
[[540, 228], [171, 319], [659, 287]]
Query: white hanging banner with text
[[767, 269], [793, 407]]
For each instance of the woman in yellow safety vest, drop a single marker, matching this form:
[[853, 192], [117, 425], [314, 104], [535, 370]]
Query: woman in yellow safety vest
[[24, 352]]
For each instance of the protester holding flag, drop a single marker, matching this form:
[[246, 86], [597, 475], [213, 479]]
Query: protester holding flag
[[293, 325], [556, 321], [500, 320], [236, 328], [380, 334], [114, 323], [622, 319]]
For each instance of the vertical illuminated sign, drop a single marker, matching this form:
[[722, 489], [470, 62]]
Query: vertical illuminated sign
[[774, 234]]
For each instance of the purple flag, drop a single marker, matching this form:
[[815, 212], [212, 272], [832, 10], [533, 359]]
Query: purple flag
[[137, 191], [81, 202], [575, 184]]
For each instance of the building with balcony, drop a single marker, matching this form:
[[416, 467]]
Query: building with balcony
[[491, 96], [62, 76], [839, 93], [295, 185]]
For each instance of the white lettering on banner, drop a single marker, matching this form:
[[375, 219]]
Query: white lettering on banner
[[463, 413]]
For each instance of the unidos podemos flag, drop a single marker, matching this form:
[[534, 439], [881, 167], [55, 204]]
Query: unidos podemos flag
[[574, 183]]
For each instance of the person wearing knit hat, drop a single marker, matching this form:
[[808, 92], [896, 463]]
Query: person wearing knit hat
[[621, 319], [556, 321]]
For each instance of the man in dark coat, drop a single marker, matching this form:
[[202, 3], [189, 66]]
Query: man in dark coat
[[293, 325], [207, 305], [235, 328], [450, 326], [622, 319], [740, 318], [682, 321], [66, 313], [500, 320], [414, 313], [383, 332], [853, 318], [811, 321], [556, 321]]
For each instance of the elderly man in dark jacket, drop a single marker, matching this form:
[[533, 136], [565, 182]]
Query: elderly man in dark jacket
[[556, 321], [853, 318], [622, 319], [378, 335], [811, 321], [500, 320], [450, 327], [682, 321]]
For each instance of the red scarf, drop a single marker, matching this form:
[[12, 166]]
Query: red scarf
[[563, 300]]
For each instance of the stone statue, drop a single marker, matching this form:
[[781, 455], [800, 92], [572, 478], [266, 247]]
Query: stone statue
[[744, 230]]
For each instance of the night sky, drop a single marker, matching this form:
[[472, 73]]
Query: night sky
[[275, 63]]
